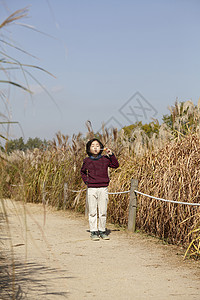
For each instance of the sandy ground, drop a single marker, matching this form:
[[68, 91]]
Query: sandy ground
[[57, 260]]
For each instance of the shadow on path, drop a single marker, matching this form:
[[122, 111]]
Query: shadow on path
[[19, 281]]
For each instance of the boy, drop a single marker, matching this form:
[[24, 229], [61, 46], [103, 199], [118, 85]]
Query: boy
[[94, 173]]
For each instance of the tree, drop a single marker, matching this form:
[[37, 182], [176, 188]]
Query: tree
[[18, 144], [36, 143], [149, 129]]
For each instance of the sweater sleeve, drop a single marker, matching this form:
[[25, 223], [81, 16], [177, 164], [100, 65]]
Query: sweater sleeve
[[113, 162], [84, 172]]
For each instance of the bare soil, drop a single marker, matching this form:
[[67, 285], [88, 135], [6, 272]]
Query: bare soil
[[54, 258]]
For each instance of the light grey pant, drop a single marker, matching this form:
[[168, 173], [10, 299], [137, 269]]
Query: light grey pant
[[97, 197]]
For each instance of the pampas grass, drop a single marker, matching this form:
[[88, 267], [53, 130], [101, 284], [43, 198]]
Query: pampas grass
[[165, 166], [13, 172]]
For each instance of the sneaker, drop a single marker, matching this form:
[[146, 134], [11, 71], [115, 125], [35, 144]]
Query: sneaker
[[103, 235], [94, 236]]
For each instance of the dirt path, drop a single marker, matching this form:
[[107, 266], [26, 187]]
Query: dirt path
[[66, 264]]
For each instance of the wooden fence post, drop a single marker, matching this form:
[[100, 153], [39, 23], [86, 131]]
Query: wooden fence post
[[43, 193], [65, 195], [132, 205]]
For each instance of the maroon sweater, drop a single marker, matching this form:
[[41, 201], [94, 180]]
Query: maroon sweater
[[94, 172]]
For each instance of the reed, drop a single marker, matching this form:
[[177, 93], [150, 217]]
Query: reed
[[167, 166], [13, 170]]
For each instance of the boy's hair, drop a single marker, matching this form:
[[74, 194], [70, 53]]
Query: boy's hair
[[89, 144]]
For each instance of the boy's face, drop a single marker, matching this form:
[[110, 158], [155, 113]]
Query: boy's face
[[95, 148]]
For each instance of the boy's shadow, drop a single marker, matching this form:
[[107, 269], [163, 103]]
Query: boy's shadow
[[108, 231]]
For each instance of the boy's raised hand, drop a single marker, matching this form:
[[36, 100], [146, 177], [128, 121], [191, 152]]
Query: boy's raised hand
[[108, 151]]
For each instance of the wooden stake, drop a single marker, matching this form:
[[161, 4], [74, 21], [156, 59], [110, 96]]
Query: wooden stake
[[65, 195], [132, 205]]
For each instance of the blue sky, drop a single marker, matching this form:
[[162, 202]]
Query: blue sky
[[115, 62]]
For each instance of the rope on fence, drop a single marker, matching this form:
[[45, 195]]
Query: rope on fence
[[161, 199], [125, 192], [108, 193], [137, 192], [76, 191], [171, 201]]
